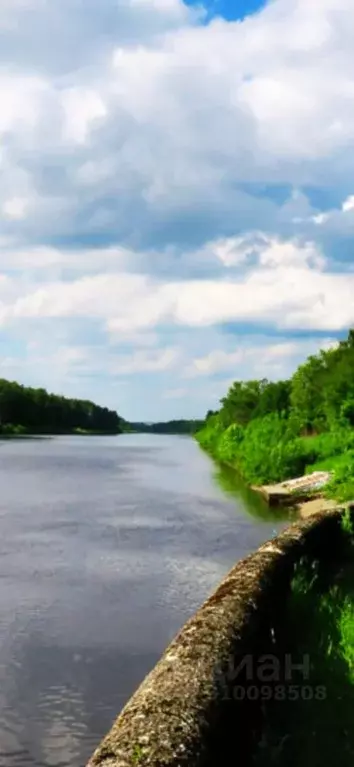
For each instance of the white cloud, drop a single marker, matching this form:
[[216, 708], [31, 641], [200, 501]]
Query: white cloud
[[80, 261], [145, 362], [21, 97], [159, 173], [171, 7], [337, 220], [170, 119], [82, 109], [15, 208], [33, 30], [265, 359], [232, 251], [278, 253], [72, 369], [348, 204], [57, 366], [215, 361], [69, 355], [321, 218], [289, 286]]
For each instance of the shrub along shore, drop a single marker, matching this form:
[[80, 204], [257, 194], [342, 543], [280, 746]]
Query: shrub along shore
[[275, 431]]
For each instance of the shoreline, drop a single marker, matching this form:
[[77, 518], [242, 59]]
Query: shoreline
[[204, 665], [303, 494], [306, 504], [52, 433]]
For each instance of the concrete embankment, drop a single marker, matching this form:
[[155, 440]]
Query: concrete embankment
[[305, 494], [186, 712], [304, 488]]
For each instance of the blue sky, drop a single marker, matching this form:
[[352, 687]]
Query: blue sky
[[230, 9], [176, 196]]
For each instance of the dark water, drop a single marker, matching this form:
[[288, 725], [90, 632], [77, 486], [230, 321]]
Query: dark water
[[107, 546]]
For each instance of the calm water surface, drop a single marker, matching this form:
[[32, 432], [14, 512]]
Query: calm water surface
[[107, 546]]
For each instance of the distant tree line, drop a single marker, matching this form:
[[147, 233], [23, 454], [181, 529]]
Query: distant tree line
[[169, 427], [25, 409]]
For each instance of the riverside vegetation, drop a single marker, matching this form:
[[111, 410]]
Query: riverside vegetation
[[274, 431], [313, 724], [271, 432]]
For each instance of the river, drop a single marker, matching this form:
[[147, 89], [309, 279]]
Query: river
[[108, 544]]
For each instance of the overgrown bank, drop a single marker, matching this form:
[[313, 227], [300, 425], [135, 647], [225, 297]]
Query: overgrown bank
[[273, 431], [312, 723]]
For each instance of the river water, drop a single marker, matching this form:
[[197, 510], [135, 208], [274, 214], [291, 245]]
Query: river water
[[107, 546]]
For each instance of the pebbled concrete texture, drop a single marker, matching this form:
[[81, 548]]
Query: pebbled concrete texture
[[185, 712]]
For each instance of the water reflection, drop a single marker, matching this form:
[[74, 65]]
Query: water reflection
[[107, 546], [232, 484], [61, 700]]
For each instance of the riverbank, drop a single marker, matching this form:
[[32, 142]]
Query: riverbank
[[301, 495], [305, 495], [276, 431], [306, 473], [20, 432], [218, 685]]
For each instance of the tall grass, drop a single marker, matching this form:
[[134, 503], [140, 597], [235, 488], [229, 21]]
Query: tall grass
[[269, 450], [316, 729]]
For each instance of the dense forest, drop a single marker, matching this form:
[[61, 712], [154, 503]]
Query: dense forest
[[168, 427], [26, 410], [272, 431]]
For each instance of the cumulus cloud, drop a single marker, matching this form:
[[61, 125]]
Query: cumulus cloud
[[32, 31], [165, 120], [15, 207], [162, 175], [143, 362], [265, 359], [290, 285]]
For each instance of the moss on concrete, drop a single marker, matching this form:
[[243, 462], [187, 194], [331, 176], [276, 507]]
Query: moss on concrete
[[183, 713]]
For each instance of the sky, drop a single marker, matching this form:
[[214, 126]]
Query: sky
[[229, 9], [176, 195]]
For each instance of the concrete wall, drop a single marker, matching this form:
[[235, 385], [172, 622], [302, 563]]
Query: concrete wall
[[185, 713]]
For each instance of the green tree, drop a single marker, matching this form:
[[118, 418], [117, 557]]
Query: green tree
[[307, 396], [37, 411], [241, 402]]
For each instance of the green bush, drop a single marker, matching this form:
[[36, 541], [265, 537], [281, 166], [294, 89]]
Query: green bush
[[326, 445], [267, 450], [341, 486], [264, 451], [314, 727], [269, 453], [229, 443], [9, 428], [276, 431]]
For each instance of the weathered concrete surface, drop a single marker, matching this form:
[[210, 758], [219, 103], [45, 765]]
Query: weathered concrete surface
[[307, 487], [308, 508], [183, 713]]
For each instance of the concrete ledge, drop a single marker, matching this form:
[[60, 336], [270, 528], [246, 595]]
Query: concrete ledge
[[290, 492], [181, 715]]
